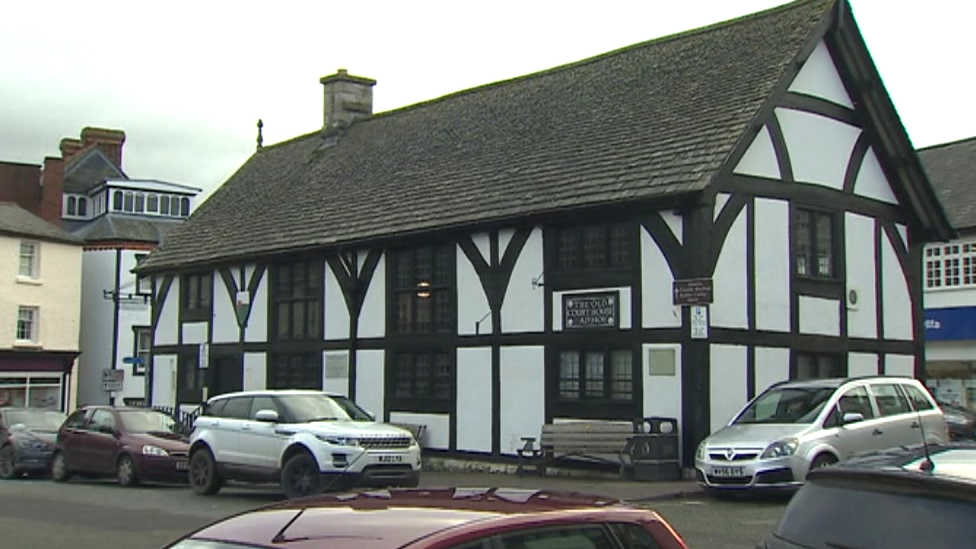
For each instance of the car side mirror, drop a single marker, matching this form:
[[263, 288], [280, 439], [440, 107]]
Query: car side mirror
[[270, 416], [853, 417]]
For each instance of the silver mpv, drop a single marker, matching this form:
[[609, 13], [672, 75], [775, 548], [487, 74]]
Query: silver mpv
[[795, 426]]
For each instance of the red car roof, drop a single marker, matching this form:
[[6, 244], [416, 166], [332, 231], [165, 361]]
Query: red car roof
[[386, 519]]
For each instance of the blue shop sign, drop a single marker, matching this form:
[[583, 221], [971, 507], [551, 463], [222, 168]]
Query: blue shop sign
[[951, 324]]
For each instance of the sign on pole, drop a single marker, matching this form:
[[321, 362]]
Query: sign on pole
[[699, 322], [691, 291], [112, 379]]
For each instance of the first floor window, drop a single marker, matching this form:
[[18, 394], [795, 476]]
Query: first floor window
[[596, 375], [813, 233], [27, 329], [29, 260], [422, 377], [818, 366], [295, 371], [950, 265], [143, 343]]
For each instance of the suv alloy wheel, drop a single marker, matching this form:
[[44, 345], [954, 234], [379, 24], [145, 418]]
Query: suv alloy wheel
[[300, 476], [204, 479]]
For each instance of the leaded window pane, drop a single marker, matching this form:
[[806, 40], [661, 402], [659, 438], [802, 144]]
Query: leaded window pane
[[569, 374], [595, 247], [825, 247], [567, 250], [594, 382], [621, 375], [802, 230], [619, 245]]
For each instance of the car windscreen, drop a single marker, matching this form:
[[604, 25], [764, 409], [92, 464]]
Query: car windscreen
[[825, 515], [321, 407], [786, 405], [149, 421], [35, 420]]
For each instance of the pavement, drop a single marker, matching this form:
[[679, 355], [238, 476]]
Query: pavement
[[582, 482]]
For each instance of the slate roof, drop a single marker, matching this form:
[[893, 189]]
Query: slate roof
[[16, 221], [87, 170], [652, 120], [116, 227], [952, 169]]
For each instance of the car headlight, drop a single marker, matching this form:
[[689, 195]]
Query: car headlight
[[149, 450], [781, 448], [338, 441], [700, 452]]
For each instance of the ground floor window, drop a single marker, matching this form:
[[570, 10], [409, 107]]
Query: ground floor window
[[596, 381], [189, 389], [30, 390], [818, 366], [422, 380], [295, 371]]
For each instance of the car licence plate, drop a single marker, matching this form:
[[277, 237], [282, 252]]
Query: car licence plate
[[389, 459], [181, 465], [725, 471]]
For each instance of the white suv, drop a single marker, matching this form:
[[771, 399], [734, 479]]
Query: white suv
[[308, 441]]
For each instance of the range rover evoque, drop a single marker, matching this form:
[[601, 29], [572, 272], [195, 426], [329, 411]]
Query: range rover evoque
[[308, 441], [796, 426]]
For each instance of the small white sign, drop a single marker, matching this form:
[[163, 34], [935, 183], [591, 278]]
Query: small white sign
[[243, 298], [699, 322], [204, 356]]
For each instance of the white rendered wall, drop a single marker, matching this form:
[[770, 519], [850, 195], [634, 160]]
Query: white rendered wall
[[194, 333], [819, 147], [524, 305], [523, 395], [819, 316], [338, 384], [900, 365], [372, 317], [472, 304], [862, 364], [674, 222], [168, 327], [772, 366], [896, 301], [721, 199], [623, 305], [727, 383], [861, 275], [96, 322], [760, 158], [729, 309], [225, 328], [336, 312], [437, 436], [257, 324], [871, 181], [369, 381], [474, 394], [662, 393], [819, 78], [255, 371], [164, 380], [657, 302], [772, 264], [936, 351]]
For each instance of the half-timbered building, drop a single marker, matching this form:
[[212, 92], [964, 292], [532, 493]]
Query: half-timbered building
[[661, 230]]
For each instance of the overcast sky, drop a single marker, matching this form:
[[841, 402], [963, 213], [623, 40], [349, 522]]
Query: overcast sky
[[187, 80]]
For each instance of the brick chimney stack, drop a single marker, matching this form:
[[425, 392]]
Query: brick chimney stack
[[108, 141], [70, 147], [52, 189], [347, 99]]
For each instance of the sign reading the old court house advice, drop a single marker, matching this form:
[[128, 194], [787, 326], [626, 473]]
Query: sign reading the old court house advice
[[581, 311], [692, 291]]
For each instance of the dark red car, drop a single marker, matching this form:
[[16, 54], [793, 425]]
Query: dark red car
[[455, 518], [131, 444]]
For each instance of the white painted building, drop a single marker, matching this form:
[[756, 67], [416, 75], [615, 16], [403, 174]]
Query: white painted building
[[950, 277], [662, 230]]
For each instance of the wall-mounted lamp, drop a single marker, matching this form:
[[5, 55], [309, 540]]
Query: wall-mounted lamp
[[477, 324], [423, 289]]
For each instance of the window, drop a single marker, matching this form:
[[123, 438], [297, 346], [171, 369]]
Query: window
[[117, 201], [295, 371], [814, 243], [35, 390], [950, 265], [174, 206], [189, 389], [143, 283], [102, 421], [152, 203], [143, 344], [562, 537], [818, 366], [83, 207], [27, 329], [127, 201], [423, 290], [919, 401], [423, 377], [594, 247], [853, 401], [596, 375], [184, 207], [163, 205], [236, 408], [72, 201], [889, 399], [140, 205], [30, 266], [196, 296], [297, 301]]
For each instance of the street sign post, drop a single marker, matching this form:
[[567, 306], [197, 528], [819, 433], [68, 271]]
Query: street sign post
[[112, 379]]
